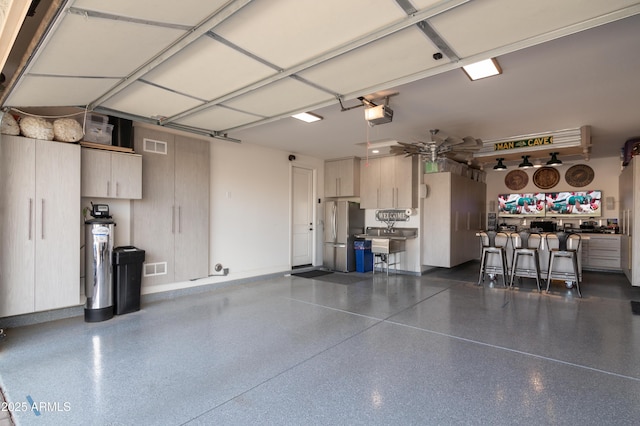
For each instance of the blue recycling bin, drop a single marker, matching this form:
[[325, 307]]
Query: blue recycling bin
[[364, 257]]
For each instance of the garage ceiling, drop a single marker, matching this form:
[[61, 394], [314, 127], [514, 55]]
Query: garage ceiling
[[222, 68]]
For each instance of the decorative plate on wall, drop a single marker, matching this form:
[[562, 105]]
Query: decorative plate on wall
[[579, 175], [546, 177], [516, 180]]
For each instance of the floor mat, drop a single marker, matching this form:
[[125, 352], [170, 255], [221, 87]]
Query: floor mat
[[343, 278], [635, 307], [330, 277], [312, 274]]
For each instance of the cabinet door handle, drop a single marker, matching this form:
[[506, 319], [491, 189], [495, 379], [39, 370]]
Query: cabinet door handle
[[42, 221], [173, 219], [30, 216], [626, 222], [117, 189], [179, 219], [108, 187]]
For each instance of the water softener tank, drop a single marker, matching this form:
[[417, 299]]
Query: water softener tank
[[98, 284]]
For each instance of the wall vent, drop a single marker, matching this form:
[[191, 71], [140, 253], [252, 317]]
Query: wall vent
[[153, 269], [156, 147]]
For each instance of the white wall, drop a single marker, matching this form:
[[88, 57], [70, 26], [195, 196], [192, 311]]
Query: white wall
[[250, 209], [606, 173]]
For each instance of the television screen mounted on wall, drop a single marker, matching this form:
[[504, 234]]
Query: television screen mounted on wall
[[574, 204], [521, 205]]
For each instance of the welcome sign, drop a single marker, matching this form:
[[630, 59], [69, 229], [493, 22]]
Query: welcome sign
[[523, 143]]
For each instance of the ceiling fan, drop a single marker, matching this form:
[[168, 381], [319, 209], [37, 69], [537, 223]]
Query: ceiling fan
[[440, 146]]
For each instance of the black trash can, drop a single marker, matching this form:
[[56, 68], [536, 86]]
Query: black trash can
[[127, 279]]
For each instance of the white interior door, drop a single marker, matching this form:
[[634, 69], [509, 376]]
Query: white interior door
[[302, 217]]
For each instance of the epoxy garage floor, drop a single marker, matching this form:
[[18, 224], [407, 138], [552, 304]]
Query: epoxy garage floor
[[401, 350]]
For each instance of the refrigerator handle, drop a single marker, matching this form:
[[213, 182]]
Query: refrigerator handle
[[334, 219]]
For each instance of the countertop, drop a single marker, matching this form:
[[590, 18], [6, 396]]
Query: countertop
[[393, 234]]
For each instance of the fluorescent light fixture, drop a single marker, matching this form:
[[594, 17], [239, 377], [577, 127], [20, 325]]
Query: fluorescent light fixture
[[307, 117], [482, 69]]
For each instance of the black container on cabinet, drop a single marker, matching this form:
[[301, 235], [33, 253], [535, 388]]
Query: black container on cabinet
[[122, 132]]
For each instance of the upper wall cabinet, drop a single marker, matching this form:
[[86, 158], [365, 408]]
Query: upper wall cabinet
[[109, 174], [389, 183], [342, 178]]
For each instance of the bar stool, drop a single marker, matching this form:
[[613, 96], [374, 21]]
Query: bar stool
[[490, 248], [563, 251], [526, 243]]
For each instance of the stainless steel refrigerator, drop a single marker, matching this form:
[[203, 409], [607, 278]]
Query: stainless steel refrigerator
[[342, 220]]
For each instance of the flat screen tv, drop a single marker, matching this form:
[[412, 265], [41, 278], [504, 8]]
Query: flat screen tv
[[521, 205], [574, 204]]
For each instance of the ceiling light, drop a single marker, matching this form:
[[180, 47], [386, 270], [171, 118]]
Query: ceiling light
[[525, 162], [500, 165], [307, 117], [379, 114], [554, 160], [482, 69]]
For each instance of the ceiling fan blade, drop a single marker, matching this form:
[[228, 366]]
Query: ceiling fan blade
[[453, 141], [469, 141], [410, 143], [397, 150], [472, 142]]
